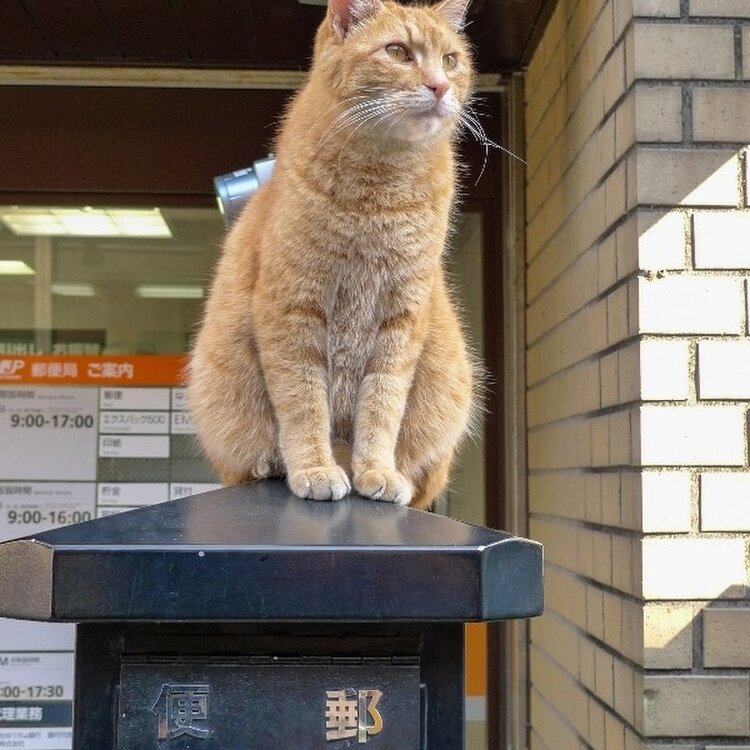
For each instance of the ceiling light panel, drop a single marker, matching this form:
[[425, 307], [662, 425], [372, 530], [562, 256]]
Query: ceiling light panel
[[169, 291], [73, 290], [15, 268], [85, 222]]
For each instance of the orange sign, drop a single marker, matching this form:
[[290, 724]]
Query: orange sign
[[476, 658], [136, 370]]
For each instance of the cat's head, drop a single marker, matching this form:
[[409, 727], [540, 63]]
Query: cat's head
[[399, 72]]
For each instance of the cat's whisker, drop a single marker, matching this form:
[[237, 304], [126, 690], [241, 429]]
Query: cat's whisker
[[471, 121], [395, 122], [376, 117], [342, 103], [382, 112], [353, 110], [378, 120], [361, 116], [350, 121], [472, 124], [486, 155], [345, 118]]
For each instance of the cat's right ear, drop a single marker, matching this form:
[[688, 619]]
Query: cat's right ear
[[345, 14], [454, 12]]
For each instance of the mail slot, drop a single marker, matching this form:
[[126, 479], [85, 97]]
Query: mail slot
[[247, 618], [309, 701]]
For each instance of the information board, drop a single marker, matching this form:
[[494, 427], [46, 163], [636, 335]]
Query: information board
[[80, 437]]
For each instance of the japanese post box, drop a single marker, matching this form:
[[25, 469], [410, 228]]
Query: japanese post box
[[247, 618]]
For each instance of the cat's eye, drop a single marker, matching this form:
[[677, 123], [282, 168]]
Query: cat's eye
[[398, 52], [450, 62]]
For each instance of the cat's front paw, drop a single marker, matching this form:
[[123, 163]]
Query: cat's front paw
[[387, 485], [320, 483]]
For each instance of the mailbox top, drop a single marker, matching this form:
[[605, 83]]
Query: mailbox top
[[256, 552]]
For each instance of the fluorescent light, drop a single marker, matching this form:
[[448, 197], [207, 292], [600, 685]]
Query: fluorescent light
[[169, 291], [142, 226], [82, 225], [85, 222], [15, 268], [73, 290]]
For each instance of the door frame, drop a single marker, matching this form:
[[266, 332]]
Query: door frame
[[503, 286], [499, 196]]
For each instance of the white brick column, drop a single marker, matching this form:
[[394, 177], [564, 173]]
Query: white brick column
[[692, 291], [638, 364]]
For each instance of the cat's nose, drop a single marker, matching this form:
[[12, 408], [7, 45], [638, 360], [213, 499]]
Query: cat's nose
[[439, 88]]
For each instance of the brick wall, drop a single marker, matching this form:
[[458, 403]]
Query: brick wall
[[583, 381], [638, 373], [693, 292]]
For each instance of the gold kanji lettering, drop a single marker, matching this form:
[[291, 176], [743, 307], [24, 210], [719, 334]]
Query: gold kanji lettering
[[348, 714]]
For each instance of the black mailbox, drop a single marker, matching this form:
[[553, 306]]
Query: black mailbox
[[247, 619]]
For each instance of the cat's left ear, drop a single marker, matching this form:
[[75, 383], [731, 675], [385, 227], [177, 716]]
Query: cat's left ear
[[348, 13], [454, 12]]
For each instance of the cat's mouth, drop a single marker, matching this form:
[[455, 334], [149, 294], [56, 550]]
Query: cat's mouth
[[435, 115], [436, 110], [441, 109]]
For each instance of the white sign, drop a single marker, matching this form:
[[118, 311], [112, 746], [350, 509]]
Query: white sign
[[182, 424], [22, 635], [132, 493], [31, 507], [134, 422], [134, 398], [134, 446], [36, 676], [55, 443], [178, 490], [37, 739], [114, 510], [48, 433], [179, 398]]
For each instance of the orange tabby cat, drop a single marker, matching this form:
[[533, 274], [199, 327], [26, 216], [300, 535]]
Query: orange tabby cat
[[330, 351]]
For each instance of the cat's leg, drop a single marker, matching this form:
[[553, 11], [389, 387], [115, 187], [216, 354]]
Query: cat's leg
[[436, 418], [292, 343], [231, 410], [380, 409], [438, 411], [380, 406]]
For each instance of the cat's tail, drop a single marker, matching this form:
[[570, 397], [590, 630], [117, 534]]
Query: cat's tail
[[432, 482]]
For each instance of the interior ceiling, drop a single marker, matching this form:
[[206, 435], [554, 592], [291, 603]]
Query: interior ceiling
[[250, 34]]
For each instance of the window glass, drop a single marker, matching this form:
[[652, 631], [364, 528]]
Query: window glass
[[88, 425], [90, 304], [124, 295], [465, 497]]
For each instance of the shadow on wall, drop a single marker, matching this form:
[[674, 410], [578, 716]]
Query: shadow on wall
[[694, 258], [697, 642], [668, 395]]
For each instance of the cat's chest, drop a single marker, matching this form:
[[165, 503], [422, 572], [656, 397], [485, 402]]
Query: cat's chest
[[356, 307], [357, 301], [367, 284]]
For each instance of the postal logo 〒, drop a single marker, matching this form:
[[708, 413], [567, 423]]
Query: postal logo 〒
[[11, 368]]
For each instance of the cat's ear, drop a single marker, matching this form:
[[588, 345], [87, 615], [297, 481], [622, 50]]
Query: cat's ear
[[454, 12], [345, 14]]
